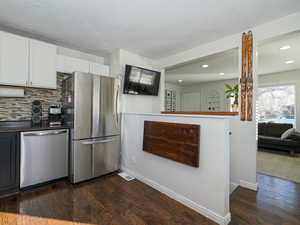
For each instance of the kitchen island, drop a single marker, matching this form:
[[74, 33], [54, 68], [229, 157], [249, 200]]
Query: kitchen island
[[204, 187]]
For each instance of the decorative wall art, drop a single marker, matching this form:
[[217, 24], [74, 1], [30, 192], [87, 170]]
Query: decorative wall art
[[246, 79]]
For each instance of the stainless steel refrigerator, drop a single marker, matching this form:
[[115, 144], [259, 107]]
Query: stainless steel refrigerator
[[90, 105]]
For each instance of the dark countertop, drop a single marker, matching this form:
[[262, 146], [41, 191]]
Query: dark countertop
[[25, 125]]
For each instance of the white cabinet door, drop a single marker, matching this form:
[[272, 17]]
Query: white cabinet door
[[75, 65], [191, 102], [13, 59], [99, 69], [60, 64], [42, 70]]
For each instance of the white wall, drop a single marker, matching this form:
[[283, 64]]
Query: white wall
[[205, 88], [178, 90], [114, 62], [284, 78], [205, 189], [242, 170], [137, 103], [239, 167], [263, 32]]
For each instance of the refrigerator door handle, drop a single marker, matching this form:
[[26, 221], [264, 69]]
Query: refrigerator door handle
[[96, 105], [97, 142], [116, 104]]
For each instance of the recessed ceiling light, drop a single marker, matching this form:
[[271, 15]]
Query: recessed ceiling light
[[222, 74], [285, 47], [289, 61], [204, 66], [180, 81]]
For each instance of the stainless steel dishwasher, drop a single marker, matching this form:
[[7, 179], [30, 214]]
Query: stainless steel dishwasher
[[44, 156]]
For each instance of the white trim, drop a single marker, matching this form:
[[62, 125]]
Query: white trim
[[248, 185], [233, 186], [222, 220], [227, 219]]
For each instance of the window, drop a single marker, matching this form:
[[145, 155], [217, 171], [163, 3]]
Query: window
[[276, 104]]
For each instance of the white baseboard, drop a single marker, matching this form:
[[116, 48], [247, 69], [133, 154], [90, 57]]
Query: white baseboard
[[246, 184], [233, 186], [227, 219], [222, 220]]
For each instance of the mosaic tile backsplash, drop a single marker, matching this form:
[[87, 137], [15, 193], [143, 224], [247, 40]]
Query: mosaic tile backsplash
[[12, 109]]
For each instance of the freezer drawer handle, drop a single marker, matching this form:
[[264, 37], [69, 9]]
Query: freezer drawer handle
[[45, 133], [96, 142]]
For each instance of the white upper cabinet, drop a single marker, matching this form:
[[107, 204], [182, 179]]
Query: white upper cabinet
[[60, 64], [66, 64], [13, 60], [27, 63], [99, 69], [42, 70]]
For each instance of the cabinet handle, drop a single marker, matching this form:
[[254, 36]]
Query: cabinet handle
[[45, 133]]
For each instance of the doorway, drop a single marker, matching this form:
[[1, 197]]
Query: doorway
[[278, 118]]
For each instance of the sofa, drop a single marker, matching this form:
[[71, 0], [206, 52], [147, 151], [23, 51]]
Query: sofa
[[269, 137]]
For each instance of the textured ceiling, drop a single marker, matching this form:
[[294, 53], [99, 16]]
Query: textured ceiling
[[153, 28]]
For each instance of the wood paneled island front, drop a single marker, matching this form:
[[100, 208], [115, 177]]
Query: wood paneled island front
[[175, 141]]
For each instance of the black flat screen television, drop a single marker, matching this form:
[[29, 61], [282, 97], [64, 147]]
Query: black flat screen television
[[140, 81]]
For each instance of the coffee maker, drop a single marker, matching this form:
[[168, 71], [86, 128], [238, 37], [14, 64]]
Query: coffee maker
[[55, 115]]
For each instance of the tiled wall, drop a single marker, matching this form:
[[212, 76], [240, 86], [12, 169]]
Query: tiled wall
[[20, 108]]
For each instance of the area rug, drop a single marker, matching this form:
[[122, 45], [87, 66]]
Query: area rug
[[279, 165]]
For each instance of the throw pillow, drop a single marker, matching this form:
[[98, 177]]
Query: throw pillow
[[288, 133], [295, 136]]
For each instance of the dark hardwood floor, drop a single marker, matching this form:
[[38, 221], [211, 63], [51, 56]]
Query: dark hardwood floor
[[111, 200], [105, 201], [277, 202]]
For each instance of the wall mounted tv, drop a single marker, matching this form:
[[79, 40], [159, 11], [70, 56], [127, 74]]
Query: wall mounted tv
[[140, 81]]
